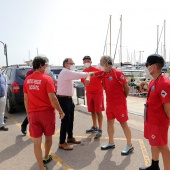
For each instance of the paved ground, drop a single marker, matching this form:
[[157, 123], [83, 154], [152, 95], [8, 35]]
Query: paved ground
[[16, 150]]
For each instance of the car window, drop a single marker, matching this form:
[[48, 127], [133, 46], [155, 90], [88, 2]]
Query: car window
[[8, 73], [22, 72]]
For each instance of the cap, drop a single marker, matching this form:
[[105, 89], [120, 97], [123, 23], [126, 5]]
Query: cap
[[155, 58], [87, 57]]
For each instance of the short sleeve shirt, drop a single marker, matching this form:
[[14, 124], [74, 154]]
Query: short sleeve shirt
[[159, 93], [37, 86], [95, 85], [113, 82]]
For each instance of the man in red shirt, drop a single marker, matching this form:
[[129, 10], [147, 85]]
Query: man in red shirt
[[94, 96], [117, 90], [157, 113], [40, 103]]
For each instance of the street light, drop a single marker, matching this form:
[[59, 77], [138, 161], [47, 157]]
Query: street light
[[5, 52]]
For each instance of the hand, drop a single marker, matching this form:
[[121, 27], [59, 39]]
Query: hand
[[61, 115]]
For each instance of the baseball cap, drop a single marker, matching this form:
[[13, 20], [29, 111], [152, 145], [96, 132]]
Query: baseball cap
[[153, 59], [87, 57]]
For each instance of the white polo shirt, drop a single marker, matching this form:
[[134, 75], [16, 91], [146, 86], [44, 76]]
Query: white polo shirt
[[65, 83]]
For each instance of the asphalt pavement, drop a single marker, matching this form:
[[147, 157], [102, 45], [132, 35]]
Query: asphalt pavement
[[16, 150]]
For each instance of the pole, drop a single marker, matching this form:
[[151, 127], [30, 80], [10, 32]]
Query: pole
[[37, 51], [164, 42], [121, 39], [110, 37], [5, 52], [157, 39]]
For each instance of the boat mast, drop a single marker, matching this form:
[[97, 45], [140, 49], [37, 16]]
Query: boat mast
[[120, 39], [110, 36], [164, 42], [157, 39]]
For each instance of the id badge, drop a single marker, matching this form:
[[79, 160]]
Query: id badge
[[145, 112]]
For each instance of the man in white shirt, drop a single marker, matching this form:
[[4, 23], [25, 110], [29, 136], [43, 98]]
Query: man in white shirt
[[65, 92]]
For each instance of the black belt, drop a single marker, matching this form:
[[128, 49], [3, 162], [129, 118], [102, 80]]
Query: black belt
[[1, 96], [64, 96]]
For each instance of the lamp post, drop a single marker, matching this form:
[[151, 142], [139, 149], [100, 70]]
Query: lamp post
[[5, 52]]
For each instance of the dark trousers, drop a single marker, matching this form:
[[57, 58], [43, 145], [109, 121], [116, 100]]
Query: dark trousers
[[25, 122], [66, 127]]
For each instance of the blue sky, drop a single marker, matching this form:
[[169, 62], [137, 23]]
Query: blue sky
[[75, 28]]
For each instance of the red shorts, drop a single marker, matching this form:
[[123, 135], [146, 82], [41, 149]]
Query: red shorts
[[119, 112], [157, 135], [95, 102], [42, 122]]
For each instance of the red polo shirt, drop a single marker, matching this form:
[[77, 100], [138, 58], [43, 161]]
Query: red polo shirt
[[159, 94], [113, 82]]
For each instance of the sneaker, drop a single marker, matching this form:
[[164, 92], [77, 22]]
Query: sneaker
[[98, 134], [45, 161], [3, 128], [127, 150], [93, 129], [24, 129], [108, 146]]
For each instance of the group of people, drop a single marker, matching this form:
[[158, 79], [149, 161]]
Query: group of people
[[41, 100]]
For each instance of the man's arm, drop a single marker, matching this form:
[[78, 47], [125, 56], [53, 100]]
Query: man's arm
[[55, 104], [87, 80], [167, 109], [126, 89], [26, 104]]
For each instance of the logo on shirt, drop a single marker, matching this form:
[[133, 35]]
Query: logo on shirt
[[152, 88], [123, 115], [122, 77], [153, 136], [163, 93], [110, 78], [34, 84]]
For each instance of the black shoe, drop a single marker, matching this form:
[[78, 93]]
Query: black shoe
[[5, 117], [23, 129], [3, 128], [149, 168], [45, 161]]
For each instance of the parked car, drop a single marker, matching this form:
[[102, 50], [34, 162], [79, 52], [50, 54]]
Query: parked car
[[56, 71], [16, 76]]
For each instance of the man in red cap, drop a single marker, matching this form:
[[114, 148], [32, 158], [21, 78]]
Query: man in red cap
[[94, 96]]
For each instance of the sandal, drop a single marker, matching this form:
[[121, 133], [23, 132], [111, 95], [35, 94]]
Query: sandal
[[45, 161]]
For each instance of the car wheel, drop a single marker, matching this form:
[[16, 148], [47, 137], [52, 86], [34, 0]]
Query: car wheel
[[9, 106]]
